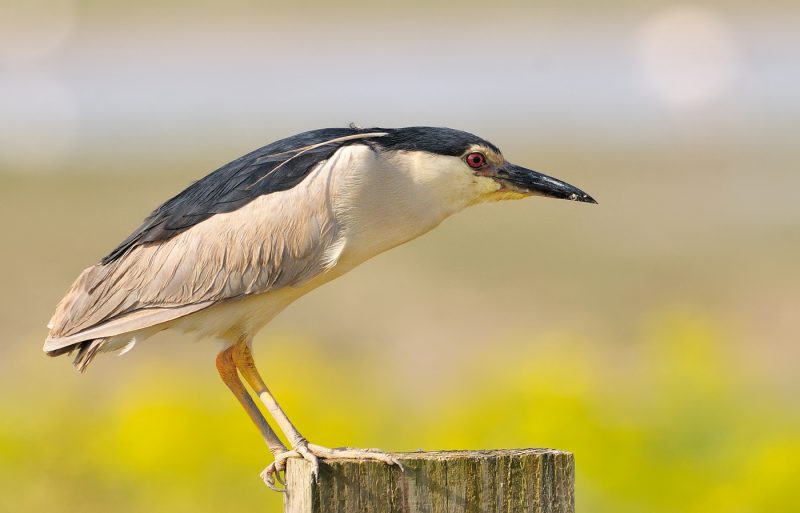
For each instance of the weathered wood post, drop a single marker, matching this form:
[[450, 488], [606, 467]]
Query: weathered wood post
[[507, 481]]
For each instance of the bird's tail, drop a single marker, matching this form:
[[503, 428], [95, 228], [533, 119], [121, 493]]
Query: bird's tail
[[86, 349]]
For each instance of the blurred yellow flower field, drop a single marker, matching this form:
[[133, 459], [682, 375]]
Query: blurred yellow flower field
[[677, 424]]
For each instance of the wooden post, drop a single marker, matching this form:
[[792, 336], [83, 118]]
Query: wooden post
[[507, 481]]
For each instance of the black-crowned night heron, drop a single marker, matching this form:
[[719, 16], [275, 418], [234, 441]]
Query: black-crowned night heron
[[226, 255]]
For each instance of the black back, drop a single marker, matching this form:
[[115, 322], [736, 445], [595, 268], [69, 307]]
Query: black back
[[278, 167]]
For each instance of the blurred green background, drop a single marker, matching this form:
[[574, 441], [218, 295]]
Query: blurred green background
[[654, 335]]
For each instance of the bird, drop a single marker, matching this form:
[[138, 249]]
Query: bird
[[227, 254]]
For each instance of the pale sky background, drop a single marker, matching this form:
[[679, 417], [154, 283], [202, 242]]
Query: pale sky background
[[108, 83]]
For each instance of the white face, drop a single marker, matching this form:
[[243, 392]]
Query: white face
[[450, 177], [459, 181]]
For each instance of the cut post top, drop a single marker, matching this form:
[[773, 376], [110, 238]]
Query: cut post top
[[483, 481]]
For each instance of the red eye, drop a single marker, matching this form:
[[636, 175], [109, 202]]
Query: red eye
[[476, 160]]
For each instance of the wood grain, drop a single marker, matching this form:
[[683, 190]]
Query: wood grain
[[507, 481]]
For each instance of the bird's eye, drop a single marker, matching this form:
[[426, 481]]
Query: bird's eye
[[476, 160]]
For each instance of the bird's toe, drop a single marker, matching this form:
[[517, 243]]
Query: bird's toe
[[354, 454], [307, 454], [270, 475]]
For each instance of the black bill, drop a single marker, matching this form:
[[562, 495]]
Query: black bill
[[527, 181]]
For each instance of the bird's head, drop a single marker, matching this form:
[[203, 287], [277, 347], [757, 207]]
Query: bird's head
[[468, 167]]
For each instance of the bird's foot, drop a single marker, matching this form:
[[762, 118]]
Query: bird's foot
[[272, 474], [313, 453], [351, 453]]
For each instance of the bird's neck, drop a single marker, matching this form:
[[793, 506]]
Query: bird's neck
[[389, 201]]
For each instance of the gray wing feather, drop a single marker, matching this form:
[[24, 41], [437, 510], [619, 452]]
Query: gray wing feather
[[275, 241]]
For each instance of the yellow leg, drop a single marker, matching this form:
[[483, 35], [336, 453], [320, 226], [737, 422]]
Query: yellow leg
[[227, 371], [243, 359]]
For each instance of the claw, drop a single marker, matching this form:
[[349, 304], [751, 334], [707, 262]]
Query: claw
[[273, 471], [279, 479], [269, 480], [313, 453]]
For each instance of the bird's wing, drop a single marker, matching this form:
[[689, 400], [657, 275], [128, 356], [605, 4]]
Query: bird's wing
[[275, 240], [276, 167]]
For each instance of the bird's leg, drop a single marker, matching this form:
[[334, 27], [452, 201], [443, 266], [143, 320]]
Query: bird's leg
[[247, 367], [300, 446], [227, 371]]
